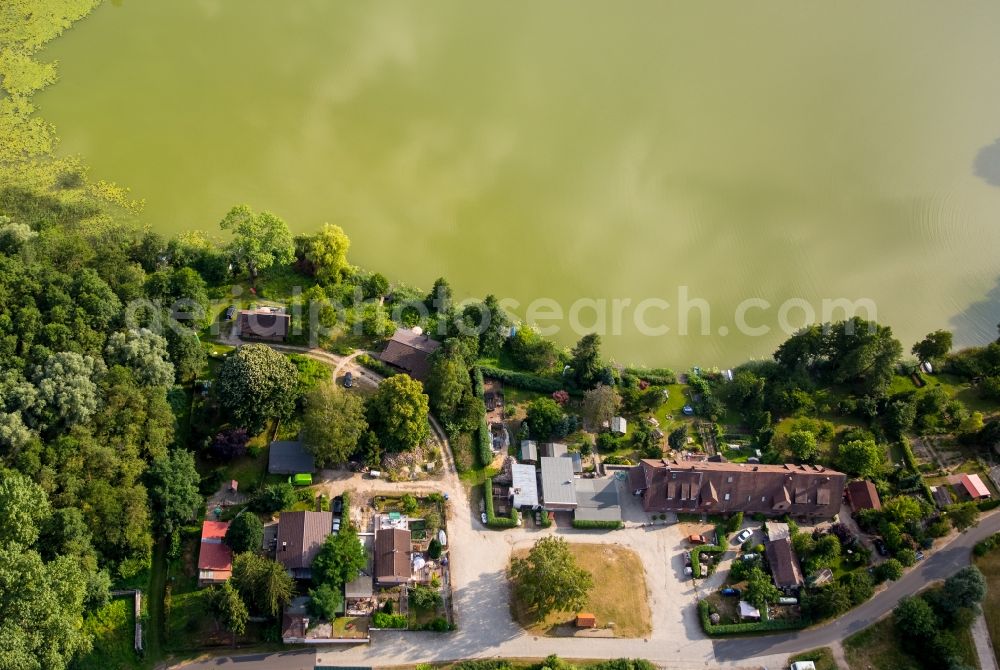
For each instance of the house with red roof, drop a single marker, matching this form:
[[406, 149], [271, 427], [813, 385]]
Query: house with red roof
[[974, 487], [215, 558]]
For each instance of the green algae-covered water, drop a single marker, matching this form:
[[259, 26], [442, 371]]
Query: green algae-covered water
[[659, 151]]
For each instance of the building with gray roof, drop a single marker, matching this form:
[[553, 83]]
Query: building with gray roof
[[558, 484], [524, 488], [597, 500], [289, 458]]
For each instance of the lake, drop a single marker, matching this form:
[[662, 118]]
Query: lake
[[651, 152]]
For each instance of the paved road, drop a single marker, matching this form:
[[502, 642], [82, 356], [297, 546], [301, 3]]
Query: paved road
[[939, 565]]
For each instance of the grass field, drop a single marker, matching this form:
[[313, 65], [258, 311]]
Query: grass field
[[619, 593], [113, 628], [990, 566], [822, 657]]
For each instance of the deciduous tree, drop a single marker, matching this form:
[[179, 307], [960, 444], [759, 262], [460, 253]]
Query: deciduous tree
[[933, 347], [327, 252], [340, 559], [259, 240], [144, 353], [263, 584], [332, 424], [398, 413], [245, 533], [862, 458], [174, 489], [548, 579], [257, 383], [600, 404], [803, 444]]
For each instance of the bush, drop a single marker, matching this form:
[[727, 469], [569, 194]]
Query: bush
[[383, 620], [523, 380], [484, 443], [987, 545], [655, 376], [273, 498], [696, 557], [734, 523], [434, 550], [606, 525], [478, 386], [375, 365], [986, 505]]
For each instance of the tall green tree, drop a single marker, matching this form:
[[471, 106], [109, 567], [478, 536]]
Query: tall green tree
[[439, 300], [332, 424], [327, 251], [23, 509], [340, 559], [245, 533], [494, 334], [760, 589], [257, 383], [145, 353], [186, 353], [228, 608], [67, 391], [259, 240], [586, 361], [263, 584], [933, 347], [600, 404], [398, 412], [544, 417], [174, 489], [531, 351], [802, 444], [548, 579], [862, 458]]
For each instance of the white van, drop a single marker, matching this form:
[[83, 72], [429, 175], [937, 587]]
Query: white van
[[803, 665], [790, 601], [374, 474]]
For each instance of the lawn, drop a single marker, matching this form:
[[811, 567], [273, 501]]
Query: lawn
[[619, 594], [990, 566], [822, 657], [113, 629]]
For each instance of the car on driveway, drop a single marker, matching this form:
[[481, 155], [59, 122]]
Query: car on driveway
[[348, 380], [731, 592], [697, 539], [338, 505], [687, 559], [920, 555], [803, 665], [744, 536], [880, 546], [483, 517]]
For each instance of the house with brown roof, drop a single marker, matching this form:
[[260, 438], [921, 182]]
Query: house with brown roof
[[719, 488], [266, 323], [300, 537], [392, 556], [784, 564], [215, 558], [410, 352], [862, 495]]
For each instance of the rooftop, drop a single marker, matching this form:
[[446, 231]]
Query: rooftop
[[300, 537], [392, 556], [524, 486], [558, 486], [784, 564], [597, 500], [862, 495], [410, 352], [289, 458]]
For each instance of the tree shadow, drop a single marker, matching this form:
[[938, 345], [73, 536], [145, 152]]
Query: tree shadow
[[977, 324], [987, 164]]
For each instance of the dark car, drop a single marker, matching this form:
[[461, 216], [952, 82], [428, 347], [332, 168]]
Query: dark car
[[880, 546], [230, 313], [338, 505], [731, 592], [348, 380], [687, 559]]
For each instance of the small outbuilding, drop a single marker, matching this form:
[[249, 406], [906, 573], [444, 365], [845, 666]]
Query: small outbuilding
[[558, 484], [619, 425], [524, 486], [586, 620], [974, 487], [529, 451], [289, 458], [862, 495], [748, 611], [410, 351], [269, 323], [215, 558], [554, 449]]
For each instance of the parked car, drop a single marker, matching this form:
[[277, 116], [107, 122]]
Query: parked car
[[348, 380], [788, 601], [744, 536], [697, 539], [687, 559], [880, 546], [336, 525], [731, 592], [803, 665], [920, 555], [230, 313], [483, 517], [301, 479], [749, 557], [338, 505]]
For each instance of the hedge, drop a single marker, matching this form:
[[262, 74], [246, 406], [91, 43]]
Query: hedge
[[986, 546], [986, 505], [911, 462], [655, 376], [524, 380], [605, 525], [485, 447], [743, 628], [381, 620], [703, 549], [375, 365], [492, 520]]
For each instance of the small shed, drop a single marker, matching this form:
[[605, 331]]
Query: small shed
[[554, 449], [862, 495], [619, 425], [974, 487], [748, 611], [529, 450], [289, 458], [586, 620]]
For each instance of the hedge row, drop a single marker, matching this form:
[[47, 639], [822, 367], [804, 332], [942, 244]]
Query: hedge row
[[484, 447], [743, 628], [986, 505], [911, 462], [492, 520], [375, 365], [523, 380], [655, 376], [986, 546], [703, 549], [604, 525]]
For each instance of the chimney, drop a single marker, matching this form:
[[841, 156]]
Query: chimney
[[284, 546]]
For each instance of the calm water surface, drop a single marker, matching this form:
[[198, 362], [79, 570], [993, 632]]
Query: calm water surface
[[574, 149]]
